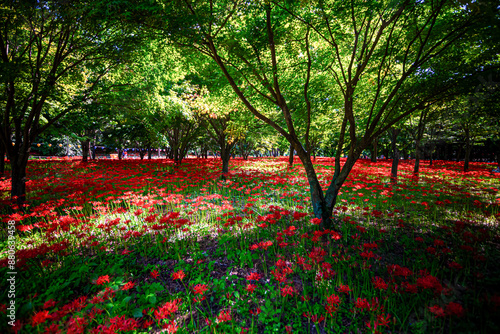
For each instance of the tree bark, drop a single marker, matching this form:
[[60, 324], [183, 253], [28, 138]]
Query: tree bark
[[468, 148], [225, 156], [418, 139], [18, 163], [374, 150], [395, 155], [416, 167], [324, 202], [290, 156], [149, 153], [85, 150], [2, 159]]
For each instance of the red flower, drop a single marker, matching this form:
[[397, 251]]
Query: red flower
[[49, 303], [315, 221], [200, 289], [455, 309], [126, 251], [314, 318], [251, 287], [40, 318], [102, 279], [171, 327], [256, 312], [155, 274], [362, 304], [287, 290], [179, 275], [344, 289], [437, 311], [379, 283], [167, 309], [333, 300], [224, 315], [254, 277], [128, 286]]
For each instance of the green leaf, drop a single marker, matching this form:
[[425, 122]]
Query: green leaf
[[137, 313], [152, 299]]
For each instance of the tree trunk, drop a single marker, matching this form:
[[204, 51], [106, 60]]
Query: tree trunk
[[468, 148], [374, 150], [416, 167], [142, 152], [120, 154], [290, 156], [176, 156], [85, 150], [498, 157], [395, 156], [418, 139], [2, 159], [149, 153], [225, 156], [18, 164], [324, 202]]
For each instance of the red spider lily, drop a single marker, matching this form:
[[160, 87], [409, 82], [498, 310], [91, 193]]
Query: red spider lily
[[179, 275], [333, 302], [167, 309], [155, 274], [455, 309], [199, 289], [171, 327], [455, 265], [299, 215], [437, 311], [251, 287], [287, 290], [379, 283], [122, 324], [265, 244], [256, 311], [224, 315], [49, 304], [410, 288], [128, 286], [344, 289], [335, 235], [381, 321], [102, 279], [147, 323], [397, 270], [315, 221], [125, 252], [430, 282], [362, 304], [314, 318], [254, 277], [40, 318], [317, 255]]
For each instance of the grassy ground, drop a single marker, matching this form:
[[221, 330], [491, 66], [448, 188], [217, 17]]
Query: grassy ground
[[142, 246]]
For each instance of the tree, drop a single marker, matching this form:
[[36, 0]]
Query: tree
[[46, 48], [367, 50]]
